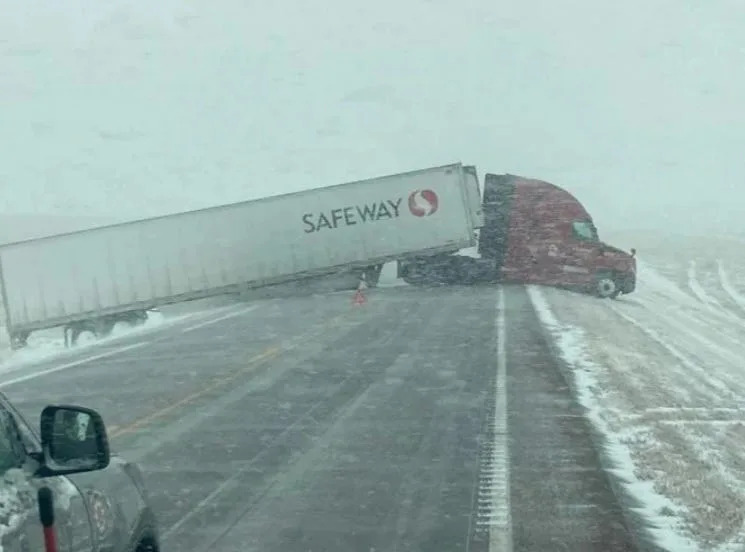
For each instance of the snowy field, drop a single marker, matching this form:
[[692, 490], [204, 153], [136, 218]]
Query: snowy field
[[662, 372]]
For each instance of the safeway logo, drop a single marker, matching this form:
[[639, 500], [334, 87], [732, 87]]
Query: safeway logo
[[423, 203]]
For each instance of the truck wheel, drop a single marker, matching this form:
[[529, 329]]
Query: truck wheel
[[19, 340], [372, 275], [410, 275], [606, 287], [147, 545], [104, 327]]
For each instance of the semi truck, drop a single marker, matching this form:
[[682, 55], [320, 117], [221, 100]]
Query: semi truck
[[92, 279], [534, 232]]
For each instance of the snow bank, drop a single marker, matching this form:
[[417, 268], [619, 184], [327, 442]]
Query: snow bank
[[661, 373], [16, 499], [48, 344], [656, 509]]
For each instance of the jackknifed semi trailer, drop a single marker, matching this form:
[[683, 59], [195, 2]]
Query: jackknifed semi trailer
[[92, 279]]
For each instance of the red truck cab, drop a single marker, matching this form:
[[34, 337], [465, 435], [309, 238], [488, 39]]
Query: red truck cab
[[541, 234], [533, 233]]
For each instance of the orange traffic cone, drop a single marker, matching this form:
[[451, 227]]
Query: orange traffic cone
[[359, 298]]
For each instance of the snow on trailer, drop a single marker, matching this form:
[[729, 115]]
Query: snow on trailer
[[93, 278]]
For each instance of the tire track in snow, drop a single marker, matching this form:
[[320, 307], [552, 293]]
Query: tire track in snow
[[698, 289], [728, 288], [656, 283], [664, 293], [713, 388], [706, 340], [736, 300]]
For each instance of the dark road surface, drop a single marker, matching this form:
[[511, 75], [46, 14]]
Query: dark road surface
[[307, 424]]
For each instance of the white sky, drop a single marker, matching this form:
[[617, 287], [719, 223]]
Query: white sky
[[136, 108]]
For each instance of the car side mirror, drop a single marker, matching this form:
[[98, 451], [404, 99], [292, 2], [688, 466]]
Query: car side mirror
[[73, 440]]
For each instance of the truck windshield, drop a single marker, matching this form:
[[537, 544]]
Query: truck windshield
[[585, 230]]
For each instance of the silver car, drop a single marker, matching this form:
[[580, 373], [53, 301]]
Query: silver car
[[99, 501]]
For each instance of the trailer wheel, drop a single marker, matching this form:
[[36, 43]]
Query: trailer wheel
[[409, 274], [128, 320], [83, 336], [372, 275], [606, 287], [75, 330], [104, 327], [19, 340]]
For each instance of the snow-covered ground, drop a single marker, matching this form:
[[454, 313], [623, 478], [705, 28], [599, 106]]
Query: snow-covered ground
[[50, 343], [662, 372]]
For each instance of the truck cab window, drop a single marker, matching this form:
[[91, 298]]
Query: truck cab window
[[584, 230]]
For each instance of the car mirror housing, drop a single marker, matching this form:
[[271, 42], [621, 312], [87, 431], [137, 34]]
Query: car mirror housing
[[73, 440]]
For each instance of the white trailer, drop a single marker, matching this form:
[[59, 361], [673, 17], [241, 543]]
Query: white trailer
[[120, 271]]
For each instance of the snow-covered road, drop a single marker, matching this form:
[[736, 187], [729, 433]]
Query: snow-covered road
[[662, 373]]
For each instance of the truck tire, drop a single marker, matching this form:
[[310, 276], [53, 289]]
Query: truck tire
[[410, 274], [104, 327], [606, 286], [132, 318], [412, 280], [147, 545], [18, 340], [78, 331], [372, 275]]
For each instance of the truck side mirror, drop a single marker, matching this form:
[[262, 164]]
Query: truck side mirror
[[633, 252], [73, 440]]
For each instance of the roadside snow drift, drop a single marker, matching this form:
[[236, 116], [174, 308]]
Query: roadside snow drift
[[662, 374], [46, 344]]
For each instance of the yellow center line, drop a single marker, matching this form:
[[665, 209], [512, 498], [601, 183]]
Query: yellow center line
[[254, 362], [146, 420]]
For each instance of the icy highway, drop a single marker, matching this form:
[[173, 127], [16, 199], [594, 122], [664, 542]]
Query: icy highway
[[425, 419]]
